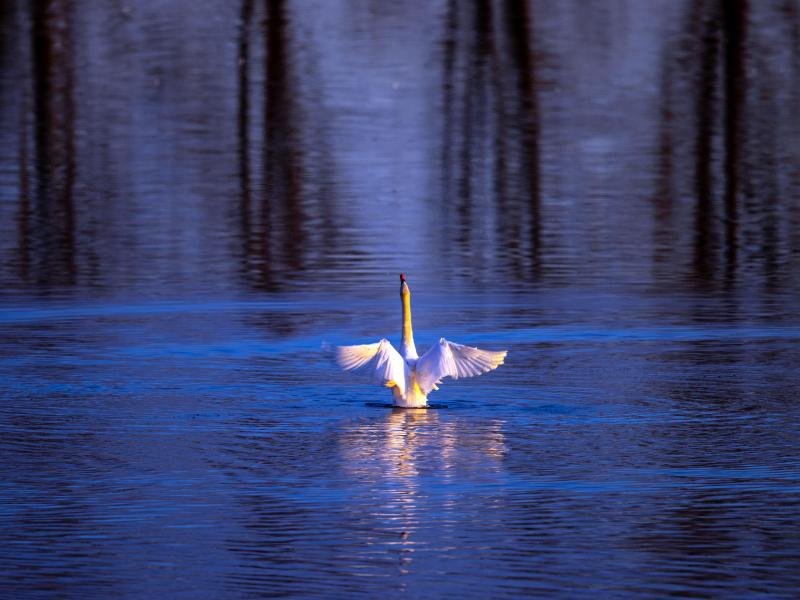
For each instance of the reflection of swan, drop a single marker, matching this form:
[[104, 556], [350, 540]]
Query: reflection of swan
[[412, 464], [410, 377], [393, 446], [396, 447], [405, 432]]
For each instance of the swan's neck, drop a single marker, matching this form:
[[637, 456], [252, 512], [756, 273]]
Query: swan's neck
[[409, 350]]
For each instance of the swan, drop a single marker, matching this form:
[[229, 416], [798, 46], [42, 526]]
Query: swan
[[411, 377]]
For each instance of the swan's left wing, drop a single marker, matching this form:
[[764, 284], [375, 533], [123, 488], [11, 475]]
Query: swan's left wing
[[447, 359], [380, 360]]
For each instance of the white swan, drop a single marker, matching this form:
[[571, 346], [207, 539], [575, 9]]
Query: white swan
[[410, 377]]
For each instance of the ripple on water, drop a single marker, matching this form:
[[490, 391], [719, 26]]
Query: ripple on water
[[152, 452]]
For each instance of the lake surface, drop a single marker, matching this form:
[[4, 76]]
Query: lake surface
[[198, 199]]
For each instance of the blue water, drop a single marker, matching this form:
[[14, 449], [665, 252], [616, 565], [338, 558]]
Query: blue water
[[212, 449], [199, 199]]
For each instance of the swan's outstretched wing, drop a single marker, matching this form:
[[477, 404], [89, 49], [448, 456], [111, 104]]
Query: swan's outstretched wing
[[447, 359], [380, 360]]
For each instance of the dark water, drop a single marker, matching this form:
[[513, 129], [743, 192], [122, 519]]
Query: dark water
[[196, 197]]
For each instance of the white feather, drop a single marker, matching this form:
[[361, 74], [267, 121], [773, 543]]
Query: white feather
[[447, 359], [380, 360], [411, 378]]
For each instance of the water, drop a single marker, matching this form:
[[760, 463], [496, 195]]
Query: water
[[196, 199]]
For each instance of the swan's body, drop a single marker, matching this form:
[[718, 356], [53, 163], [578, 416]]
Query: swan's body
[[411, 377]]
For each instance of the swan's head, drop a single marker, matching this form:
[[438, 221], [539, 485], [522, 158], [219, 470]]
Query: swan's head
[[403, 285]]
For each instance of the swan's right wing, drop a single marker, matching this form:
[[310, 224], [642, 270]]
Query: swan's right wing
[[380, 360], [448, 359]]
